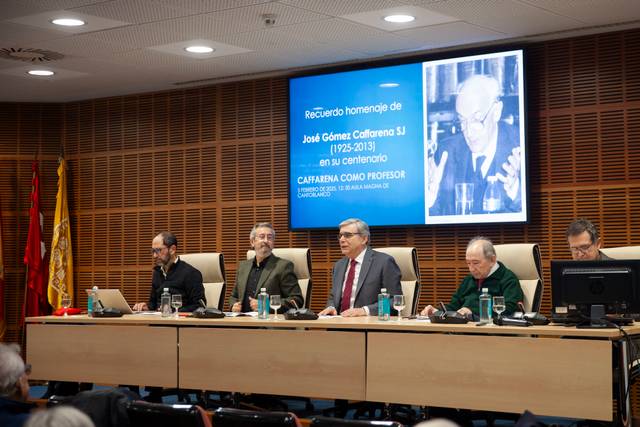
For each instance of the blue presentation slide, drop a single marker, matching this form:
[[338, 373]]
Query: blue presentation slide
[[356, 147]]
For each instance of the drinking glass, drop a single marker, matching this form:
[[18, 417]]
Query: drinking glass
[[464, 198], [65, 302], [176, 302], [499, 305], [275, 302], [398, 304]]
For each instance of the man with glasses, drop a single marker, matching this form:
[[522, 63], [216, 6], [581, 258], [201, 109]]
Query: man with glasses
[[359, 277], [14, 387], [172, 273], [486, 150], [584, 241], [265, 270]]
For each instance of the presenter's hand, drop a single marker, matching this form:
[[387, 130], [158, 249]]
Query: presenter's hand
[[434, 177], [329, 311], [253, 303], [428, 311], [354, 312], [237, 307], [465, 312], [140, 306], [511, 180]]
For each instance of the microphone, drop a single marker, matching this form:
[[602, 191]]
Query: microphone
[[444, 310], [293, 301], [521, 307], [202, 304]]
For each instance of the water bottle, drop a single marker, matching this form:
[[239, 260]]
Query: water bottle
[[485, 306], [491, 201], [384, 305], [92, 296], [165, 303], [263, 304]]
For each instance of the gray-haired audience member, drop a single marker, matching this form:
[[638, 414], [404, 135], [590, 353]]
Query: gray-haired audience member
[[60, 416], [14, 387]]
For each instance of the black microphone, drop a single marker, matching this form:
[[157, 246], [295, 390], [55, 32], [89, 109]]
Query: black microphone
[[521, 307], [202, 304], [444, 310], [293, 301]]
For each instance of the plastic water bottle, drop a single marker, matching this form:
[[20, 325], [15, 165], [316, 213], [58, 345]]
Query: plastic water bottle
[[491, 201], [384, 305], [263, 304], [92, 300], [165, 303], [485, 306]]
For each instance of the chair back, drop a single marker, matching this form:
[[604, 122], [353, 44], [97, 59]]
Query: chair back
[[338, 422], [211, 265], [407, 260], [525, 262], [623, 252], [301, 259], [231, 417], [143, 413]]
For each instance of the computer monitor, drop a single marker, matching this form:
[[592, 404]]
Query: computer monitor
[[576, 286]]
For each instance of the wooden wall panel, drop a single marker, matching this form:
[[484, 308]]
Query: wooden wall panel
[[209, 162]]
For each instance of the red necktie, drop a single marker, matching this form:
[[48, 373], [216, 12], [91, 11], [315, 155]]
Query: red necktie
[[480, 283], [346, 294]]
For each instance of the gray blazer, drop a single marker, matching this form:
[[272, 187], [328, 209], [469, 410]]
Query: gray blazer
[[278, 277], [378, 271]]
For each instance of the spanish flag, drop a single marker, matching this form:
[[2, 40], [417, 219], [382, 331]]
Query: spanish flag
[[61, 261]]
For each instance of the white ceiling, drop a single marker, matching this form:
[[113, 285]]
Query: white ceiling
[[134, 46]]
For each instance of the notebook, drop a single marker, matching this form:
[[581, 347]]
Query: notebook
[[113, 298]]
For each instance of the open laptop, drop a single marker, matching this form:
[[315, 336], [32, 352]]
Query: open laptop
[[113, 298]]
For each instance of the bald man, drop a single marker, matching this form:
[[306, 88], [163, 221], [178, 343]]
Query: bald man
[[485, 148]]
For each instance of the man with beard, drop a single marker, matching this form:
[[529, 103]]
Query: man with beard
[[172, 273], [265, 270]]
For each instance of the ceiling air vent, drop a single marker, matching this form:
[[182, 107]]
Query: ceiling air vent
[[29, 55]]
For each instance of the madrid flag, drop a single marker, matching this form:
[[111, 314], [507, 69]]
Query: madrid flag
[[36, 288]]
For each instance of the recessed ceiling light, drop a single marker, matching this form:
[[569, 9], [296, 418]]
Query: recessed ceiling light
[[45, 73], [383, 85], [399, 19], [68, 22], [199, 49]]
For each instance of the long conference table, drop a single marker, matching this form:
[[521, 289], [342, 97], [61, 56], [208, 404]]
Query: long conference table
[[549, 370]]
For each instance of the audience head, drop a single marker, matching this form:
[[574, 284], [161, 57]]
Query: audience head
[[14, 373], [353, 237], [438, 422], [262, 239], [584, 241], [480, 256], [164, 247], [479, 110], [60, 416]]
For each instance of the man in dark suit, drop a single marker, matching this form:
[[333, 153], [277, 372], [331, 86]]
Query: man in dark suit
[[584, 241], [486, 151], [361, 274], [265, 270]]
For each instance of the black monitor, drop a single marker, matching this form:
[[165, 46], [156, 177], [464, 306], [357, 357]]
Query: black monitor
[[580, 285]]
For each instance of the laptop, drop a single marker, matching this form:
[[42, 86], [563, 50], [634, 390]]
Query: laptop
[[113, 298]]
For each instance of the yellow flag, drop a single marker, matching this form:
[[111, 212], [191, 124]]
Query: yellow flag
[[61, 263]]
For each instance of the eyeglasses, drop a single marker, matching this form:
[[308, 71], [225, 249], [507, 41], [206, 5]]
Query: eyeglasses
[[346, 235], [269, 237], [157, 250], [27, 368], [580, 249], [474, 124]]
